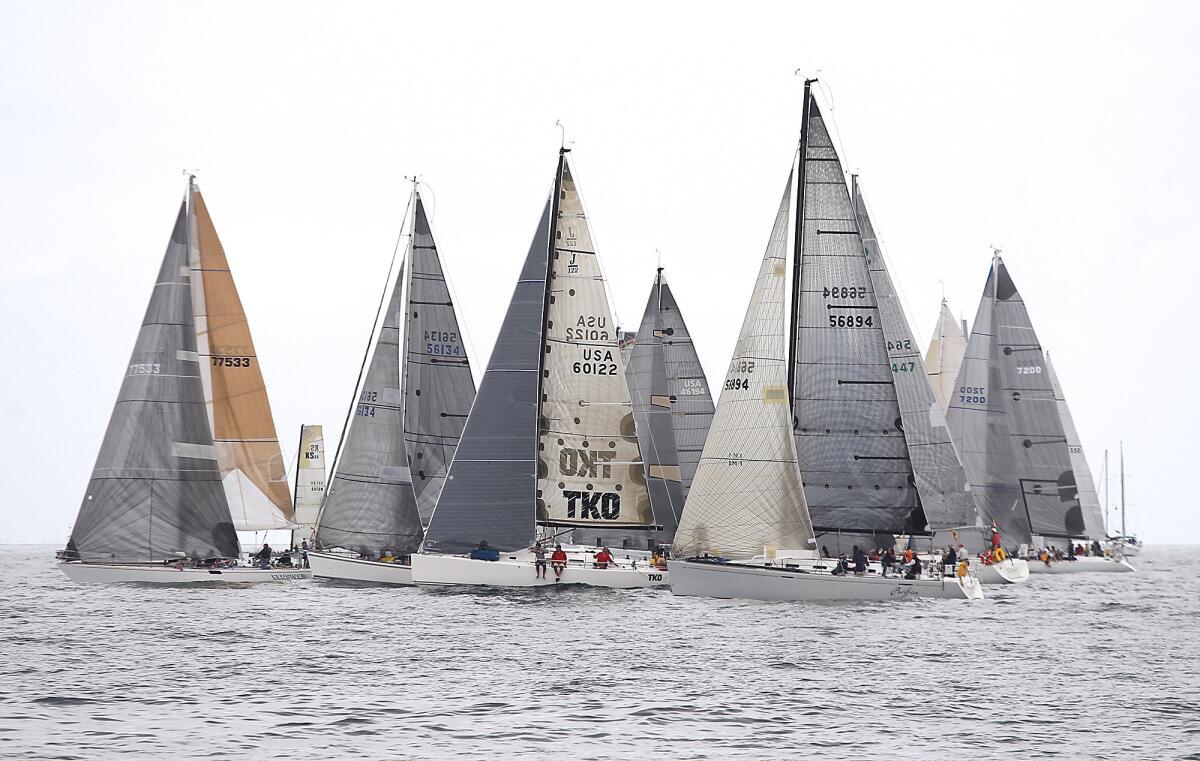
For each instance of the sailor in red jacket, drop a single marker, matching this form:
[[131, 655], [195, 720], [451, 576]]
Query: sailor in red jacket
[[558, 561], [603, 558]]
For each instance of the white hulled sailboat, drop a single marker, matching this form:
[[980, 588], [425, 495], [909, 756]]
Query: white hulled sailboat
[[190, 456]]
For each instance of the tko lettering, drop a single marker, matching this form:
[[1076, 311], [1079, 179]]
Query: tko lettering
[[583, 462], [596, 506]]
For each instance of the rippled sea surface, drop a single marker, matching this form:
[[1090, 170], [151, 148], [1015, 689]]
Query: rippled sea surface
[[1105, 666]]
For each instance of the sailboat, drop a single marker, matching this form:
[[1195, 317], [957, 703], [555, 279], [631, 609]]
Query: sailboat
[[952, 515], [748, 525], [404, 426], [1128, 544], [1006, 424], [672, 409], [310, 484], [945, 354], [550, 444], [190, 456]]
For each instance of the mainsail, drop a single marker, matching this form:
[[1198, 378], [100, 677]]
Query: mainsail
[[551, 437], [155, 492], [590, 472], [940, 480], [438, 387], [858, 477], [252, 465], [747, 497], [1089, 500], [672, 404], [310, 482], [945, 356], [1005, 423]]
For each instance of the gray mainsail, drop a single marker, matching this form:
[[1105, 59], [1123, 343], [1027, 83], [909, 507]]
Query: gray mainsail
[[1089, 500], [489, 489], [941, 482], [438, 387], [1005, 423], [371, 506], [156, 491], [848, 426], [672, 404]]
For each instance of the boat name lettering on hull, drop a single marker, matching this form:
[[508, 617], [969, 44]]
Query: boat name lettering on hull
[[288, 576], [593, 505]]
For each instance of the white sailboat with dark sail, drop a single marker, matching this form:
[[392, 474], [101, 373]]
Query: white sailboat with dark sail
[[672, 407], [190, 456], [1007, 427], [403, 427], [748, 522], [550, 446]]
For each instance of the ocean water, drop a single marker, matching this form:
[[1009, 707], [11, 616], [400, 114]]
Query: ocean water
[[1102, 666]]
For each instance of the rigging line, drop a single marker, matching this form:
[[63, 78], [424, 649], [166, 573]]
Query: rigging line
[[887, 262], [587, 220], [366, 357]]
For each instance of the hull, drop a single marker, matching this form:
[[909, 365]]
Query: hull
[[325, 565], [97, 573], [1008, 571], [1082, 565], [732, 581], [517, 571]]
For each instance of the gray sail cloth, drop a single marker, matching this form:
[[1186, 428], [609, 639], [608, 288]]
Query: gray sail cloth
[[1005, 423], [156, 491], [438, 387], [1089, 500], [942, 485], [371, 506], [672, 405], [489, 492], [849, 432]]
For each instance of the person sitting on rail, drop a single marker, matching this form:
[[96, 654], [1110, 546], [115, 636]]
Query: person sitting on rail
[[914, 569], [603, 558], [539, 560], [558, 561]]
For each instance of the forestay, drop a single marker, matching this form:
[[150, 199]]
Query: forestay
[[155, 492], [1005, 422], [590, 470], [371, 505], [438, 387], [849, 432], [941, 482], [747, 495], [945, 356], [1089, 500], [239, 413]]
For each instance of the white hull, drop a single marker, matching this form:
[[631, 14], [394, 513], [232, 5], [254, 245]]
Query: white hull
[[1087, 564], [702, 579], [330, 566], [1007, 571], [515, 570], [97, 573]]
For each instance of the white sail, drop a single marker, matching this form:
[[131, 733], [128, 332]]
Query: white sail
[[945, 356], [589, 463], [747, 497], [310, 482]]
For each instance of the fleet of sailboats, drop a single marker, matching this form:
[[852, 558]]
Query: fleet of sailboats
[[598, 452]]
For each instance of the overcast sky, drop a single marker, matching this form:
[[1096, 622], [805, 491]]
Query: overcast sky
[[1063, 133]]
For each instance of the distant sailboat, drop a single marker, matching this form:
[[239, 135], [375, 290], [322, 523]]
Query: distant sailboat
[[673, 408], [945, 355], [310, 483], [746, 524], [191, 455], [406, 423], [551, 442], [1006, 425]]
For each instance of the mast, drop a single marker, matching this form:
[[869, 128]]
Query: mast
[[798, 245], [551, 244], [1122, 445], [1107, 476]]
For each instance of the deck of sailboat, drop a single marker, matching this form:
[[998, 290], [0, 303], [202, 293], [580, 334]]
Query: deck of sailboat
[[518, 569]]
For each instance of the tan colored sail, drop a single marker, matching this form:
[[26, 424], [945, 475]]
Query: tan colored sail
[[248, 453]]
